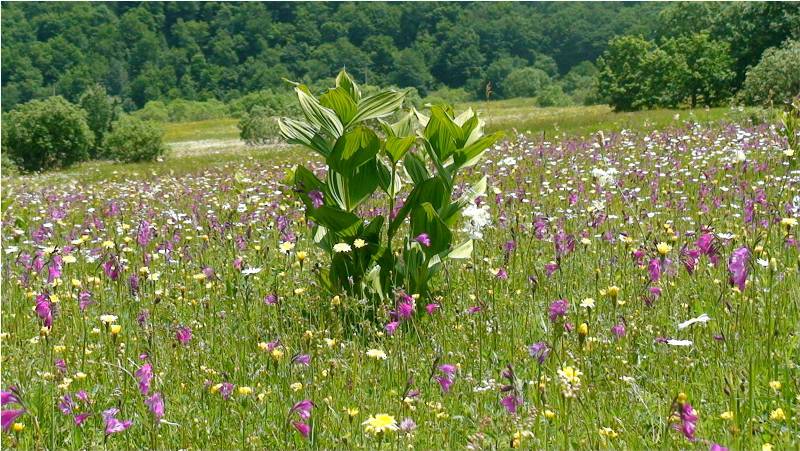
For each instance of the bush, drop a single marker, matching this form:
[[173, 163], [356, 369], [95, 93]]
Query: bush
[[101, 111], [553, 95], [47, 134], [525, 82], [132, 139], [776, 78], [258, 127]]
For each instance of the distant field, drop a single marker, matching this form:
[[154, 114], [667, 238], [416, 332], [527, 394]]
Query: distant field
[[519, 114]]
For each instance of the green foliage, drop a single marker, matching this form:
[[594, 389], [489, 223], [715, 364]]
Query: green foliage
[[703, 68], [445, 95], [553, 95], [161, 51], [776, 78], [273, 102], [46, 134], [258, 126], [101, 110], [180, 110], [366, 162], [132, 139], [525, 82], [635, 73]]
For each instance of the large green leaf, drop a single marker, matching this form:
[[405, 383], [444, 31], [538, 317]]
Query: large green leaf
[[424, 219], [305, 182], [396, 147], [296, 132], [389, 186], [340, 102], [353, 149], [472, 153], [442, 133], [431, 191], [415, 168], [344, 81], [350, 190], [335, 219], [324, 118], [379, 105]]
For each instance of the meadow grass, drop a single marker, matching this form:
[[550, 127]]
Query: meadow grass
[[193, 244]]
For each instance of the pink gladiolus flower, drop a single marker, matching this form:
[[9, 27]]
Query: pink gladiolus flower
[[8, 417], [737, 265], [423, 239], [430, 308], [113, 425], [511, 403], [145, 376], [302, 359], [302, 409], [302, 428], [558, 309], [183, 335], [391, 327], [44, 309], [156, 405]]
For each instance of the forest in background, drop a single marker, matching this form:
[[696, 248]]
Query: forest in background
[[161, 51]]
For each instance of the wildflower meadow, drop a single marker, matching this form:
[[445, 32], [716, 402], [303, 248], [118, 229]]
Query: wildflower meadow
[[637, 289]]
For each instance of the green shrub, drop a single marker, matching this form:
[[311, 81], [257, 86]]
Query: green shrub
[[132, 139], [101, 110], [525, 82], [553, 95], [776, 78], [258, 127], [47, 134]]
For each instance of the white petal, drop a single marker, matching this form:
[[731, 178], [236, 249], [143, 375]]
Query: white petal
[[704, 318], [679, 342]]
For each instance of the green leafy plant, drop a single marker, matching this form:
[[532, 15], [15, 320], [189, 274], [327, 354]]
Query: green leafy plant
[[46, 134], [133, 139], [258, 127], [372, 148]]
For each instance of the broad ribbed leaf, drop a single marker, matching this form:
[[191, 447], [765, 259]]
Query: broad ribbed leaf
[[379, 105], [324, 118], [424, 219], [296, 132], [471, 154], [353, 149], [442, 133], [340, 102], [351, 190], [336, 219], [431, 191], [344, 81], [415, 168], [396, 148]]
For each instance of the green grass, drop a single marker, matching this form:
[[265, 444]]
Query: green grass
[[521, 115], [218, 210], [201, 130]]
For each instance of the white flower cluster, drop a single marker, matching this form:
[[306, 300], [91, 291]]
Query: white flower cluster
[[477, 219], [604, 177]]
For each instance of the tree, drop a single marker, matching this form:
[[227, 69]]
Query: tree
[[622, 72], [101, 111], [47, 134], [525, 82], [410, 70], [703, 68], [776, 78]]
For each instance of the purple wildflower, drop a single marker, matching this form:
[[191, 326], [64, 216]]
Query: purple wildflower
[[540, 351], [737, 265], [183, 334], [156, 405], [558, 309], [145, 376]]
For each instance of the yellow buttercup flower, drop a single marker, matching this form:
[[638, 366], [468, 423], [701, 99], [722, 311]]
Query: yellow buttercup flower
[[380, 423], [726, 415], [359, 243], [663, 248], [18, 427], [115, 329], [777, 415], [244, 391]]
